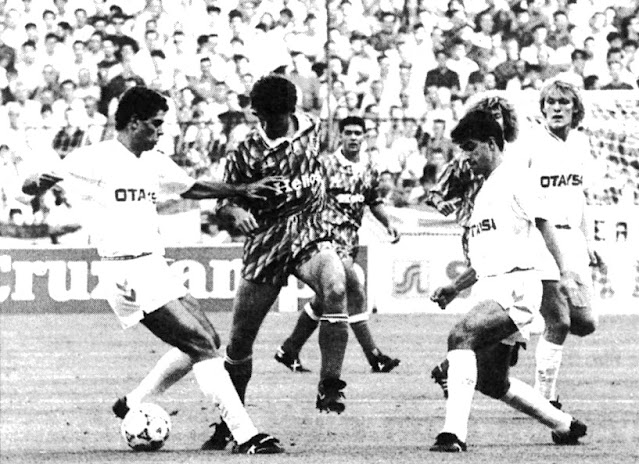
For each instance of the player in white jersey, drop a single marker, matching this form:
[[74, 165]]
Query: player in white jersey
[[503, 253], [560, 169], [121, 180]]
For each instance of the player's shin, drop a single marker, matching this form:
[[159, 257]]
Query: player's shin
[[240, 372], [306, 324], [333, 337], [462, 378], [548, 358], [526, 399], [169, 369], [215, 383]]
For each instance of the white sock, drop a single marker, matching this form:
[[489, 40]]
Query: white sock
[[170, 368], [215, 383], [462, 377], [526, 399], [548, 356]]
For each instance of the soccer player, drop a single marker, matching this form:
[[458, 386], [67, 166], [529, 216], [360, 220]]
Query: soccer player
[[561, 171], [503, 250], [351, 186], [120, 180], [457, 186], [285, 235]]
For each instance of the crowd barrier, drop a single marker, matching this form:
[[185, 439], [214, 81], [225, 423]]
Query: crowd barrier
[[400, 277], [68, 280]]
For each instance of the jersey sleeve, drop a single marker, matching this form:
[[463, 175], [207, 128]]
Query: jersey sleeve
[[237, 171], [172, 178], [81, 174]]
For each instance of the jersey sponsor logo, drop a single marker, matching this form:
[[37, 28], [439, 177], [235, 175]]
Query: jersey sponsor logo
[[134, 194], [128, 294], [350, 199], [299, 183], [561, 180], [482, 226]]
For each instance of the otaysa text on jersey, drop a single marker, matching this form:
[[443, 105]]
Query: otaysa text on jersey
[[482, 226], [561, 180], [135, 194]]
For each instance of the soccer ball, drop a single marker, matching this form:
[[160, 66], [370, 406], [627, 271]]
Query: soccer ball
[[146, 427]]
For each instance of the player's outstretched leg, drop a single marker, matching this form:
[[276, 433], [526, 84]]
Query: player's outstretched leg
[[178, 326], [170, 368], [358, 319]]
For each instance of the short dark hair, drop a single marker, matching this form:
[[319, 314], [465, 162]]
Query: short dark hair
[[138, 102], [273, 94], [352, 121], [478, 125]]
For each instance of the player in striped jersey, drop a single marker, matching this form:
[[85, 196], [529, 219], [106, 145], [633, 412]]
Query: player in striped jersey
[[351, 186], [285, 235]]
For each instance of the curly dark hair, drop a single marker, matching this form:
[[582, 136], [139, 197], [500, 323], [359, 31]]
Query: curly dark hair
[[511, 124], [564, 87], [138, 102], [273, 94]]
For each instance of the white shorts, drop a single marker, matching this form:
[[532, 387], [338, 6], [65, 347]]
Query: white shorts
[[519, 293], [139, 286]]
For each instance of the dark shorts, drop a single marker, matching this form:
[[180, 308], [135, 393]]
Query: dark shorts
[[346, 240], [272, 254]]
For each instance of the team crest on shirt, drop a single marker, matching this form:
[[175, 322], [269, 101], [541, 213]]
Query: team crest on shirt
[[482, 226]]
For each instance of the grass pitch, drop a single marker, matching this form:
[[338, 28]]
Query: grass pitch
[[59, 375]]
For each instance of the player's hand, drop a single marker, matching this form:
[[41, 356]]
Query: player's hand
[[394, 233], [259, 190], [596, 261], [570, 284], [446, 207], [244, 221], [444, 295], [40, 183]]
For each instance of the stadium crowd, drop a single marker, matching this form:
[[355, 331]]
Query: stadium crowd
[[406, 66]]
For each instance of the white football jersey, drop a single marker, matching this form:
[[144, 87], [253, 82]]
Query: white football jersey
[[561, 170], [118, 193], [502, 224]]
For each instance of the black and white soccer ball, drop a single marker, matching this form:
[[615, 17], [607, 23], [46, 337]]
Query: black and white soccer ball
[[146, 427]]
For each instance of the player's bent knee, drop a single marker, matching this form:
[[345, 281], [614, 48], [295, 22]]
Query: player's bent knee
[[583, 327], [489, 386]]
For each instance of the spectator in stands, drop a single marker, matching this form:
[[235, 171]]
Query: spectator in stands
[[386, 37], [70, 136], [95, 121], [307, 83], [559, 37], [438, 147], [48, 84], [29, 69], [575, 74], [461, 64], [442, 76], [615, 69], [506, 70], [68, 99]]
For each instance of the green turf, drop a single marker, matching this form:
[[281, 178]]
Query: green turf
[[60, 375]]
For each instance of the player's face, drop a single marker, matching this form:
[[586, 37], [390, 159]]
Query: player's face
[[479, 155], [275, 125], [148, 132], [558, 110], [352, 136]]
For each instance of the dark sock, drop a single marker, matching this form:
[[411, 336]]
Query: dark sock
[[365, 339], [240, 375], [444, 365], [301, 333], [333, 337]]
